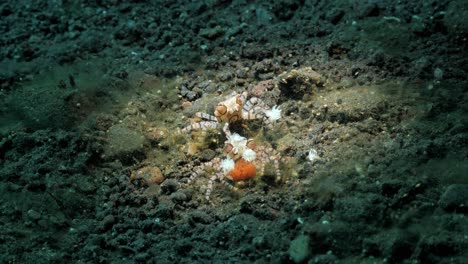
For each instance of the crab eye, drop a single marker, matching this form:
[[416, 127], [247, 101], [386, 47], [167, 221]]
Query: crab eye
[[233, 118], [251, 145], [235, 151], [228, 148]]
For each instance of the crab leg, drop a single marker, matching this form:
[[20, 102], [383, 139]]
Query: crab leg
[[211, 164], [270, 155], [220, 177], [206, 116], [200, 125], [253, 109], [226, 130]]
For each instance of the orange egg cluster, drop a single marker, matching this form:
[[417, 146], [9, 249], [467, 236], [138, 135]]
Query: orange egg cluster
[[243, 170]]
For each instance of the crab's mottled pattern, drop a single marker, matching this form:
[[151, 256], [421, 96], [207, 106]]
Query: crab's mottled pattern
[[236, 107]]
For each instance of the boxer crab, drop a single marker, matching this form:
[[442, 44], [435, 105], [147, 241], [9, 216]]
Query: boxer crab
[[243, 157], [236, 108]]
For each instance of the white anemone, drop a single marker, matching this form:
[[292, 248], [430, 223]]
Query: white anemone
[[227, 165], [273, 114]]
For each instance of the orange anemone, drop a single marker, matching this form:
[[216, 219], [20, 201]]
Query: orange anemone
[[243, 170]]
